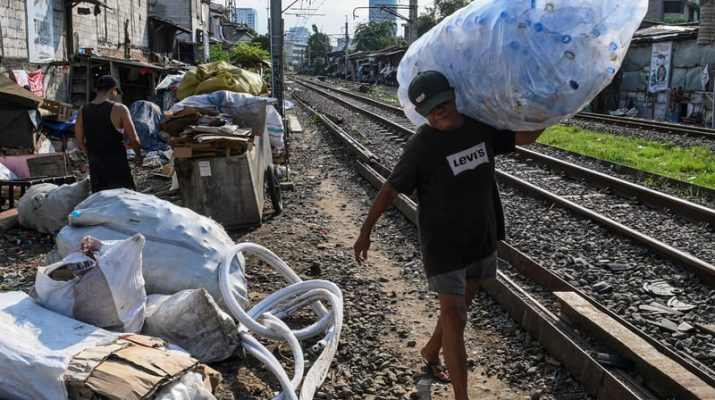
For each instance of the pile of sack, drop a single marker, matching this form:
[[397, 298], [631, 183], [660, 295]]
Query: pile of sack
[[207, 78], [155, 286]]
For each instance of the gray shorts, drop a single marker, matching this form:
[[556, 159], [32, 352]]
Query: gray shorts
[[455, 282]]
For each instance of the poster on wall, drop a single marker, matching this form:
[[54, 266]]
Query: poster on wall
[[660, 67], [41, 45]]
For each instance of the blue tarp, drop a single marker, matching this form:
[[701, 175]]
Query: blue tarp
[[60, 127], [147, 119]]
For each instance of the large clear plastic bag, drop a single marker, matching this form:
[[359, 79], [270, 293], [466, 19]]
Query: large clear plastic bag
[[525, 64]]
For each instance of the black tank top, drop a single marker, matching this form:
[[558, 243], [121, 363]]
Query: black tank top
[[100, 135]]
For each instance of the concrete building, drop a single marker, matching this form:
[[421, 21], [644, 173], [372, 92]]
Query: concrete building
[[377, 15], [673, 10], [192, 15], [47, 36], [630, 88], [248, 16], [295, 54]]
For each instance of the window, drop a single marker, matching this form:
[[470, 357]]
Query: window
[[673, 7]]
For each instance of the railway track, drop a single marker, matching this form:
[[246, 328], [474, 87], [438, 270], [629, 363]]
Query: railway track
[[550, 281], [677, 129]]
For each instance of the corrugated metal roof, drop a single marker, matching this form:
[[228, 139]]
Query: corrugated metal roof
[[666, 32]]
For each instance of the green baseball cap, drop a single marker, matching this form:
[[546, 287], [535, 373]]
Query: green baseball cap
[[428, 90]]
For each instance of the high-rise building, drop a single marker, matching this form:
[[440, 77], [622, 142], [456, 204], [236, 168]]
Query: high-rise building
[[377, 15], [298, 34], [247, 16]]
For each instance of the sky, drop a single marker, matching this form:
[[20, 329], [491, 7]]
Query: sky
[[332, 23]]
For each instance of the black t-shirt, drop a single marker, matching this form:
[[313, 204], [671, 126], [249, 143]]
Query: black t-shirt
[[460, 216]]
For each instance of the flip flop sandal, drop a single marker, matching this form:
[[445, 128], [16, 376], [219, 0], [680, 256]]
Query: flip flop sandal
[[438, 371]]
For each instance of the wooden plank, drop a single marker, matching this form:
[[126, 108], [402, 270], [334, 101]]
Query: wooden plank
[[662, 374], [8, 220], [293, 124]]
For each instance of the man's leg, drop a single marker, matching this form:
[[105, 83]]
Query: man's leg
[[453, 318], [430, 352]]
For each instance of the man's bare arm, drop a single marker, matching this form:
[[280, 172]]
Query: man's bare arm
[[79, 132], [131, 132], [383, 200]]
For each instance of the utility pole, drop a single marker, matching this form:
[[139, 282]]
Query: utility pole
[[277, 52], [347, 45], [413, 20]]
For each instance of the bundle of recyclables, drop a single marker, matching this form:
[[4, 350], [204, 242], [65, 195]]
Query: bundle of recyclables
[[525, 64]]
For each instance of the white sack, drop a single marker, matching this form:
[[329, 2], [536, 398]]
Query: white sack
[[108, 293], [192, 320], [6, 174], [36, 346], [45, 206], [524, 64], [183, 249], [189, 387]]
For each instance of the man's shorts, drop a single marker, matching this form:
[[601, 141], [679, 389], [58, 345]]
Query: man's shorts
[[455, 282]]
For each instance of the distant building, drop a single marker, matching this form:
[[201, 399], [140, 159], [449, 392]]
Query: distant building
[[298, 34], [377, 15], [341, 43], [673, 10], [296, 54], [247, 16]]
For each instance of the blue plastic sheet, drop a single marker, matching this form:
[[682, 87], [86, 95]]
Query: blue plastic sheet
[[59, 128], [147, 118], [525, 64]]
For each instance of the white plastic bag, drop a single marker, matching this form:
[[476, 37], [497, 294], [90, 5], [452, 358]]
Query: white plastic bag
[[189, 387], [524, 64], [108, 293], [45, 206], [37, 345], [192, 320], [183, 249]]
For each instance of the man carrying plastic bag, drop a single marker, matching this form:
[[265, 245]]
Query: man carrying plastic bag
[[450, 163]]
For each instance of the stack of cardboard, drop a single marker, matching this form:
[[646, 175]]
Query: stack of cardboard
[[198, 133]]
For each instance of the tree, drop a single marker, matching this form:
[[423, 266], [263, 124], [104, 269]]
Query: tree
[[372, 36], [425, 22], [444, 8], [263, 41], [218, 53], [248, 56], [318, 48]]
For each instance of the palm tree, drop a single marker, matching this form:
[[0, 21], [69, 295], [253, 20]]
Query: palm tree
[[706, 34]]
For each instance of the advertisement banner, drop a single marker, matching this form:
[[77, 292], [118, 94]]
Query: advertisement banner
[[41, 44], [660, 67]]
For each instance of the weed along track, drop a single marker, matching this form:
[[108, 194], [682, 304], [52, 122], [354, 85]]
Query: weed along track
[[585, 252]]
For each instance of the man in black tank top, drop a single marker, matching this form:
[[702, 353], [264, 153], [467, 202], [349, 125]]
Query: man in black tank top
[[99, 135]]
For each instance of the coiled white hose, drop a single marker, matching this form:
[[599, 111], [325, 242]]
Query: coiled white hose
[[295, 296]]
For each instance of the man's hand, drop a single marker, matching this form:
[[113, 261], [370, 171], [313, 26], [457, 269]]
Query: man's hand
[[362, 245], [138, 160]]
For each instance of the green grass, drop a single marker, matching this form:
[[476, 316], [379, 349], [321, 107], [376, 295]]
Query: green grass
[[694, 165]]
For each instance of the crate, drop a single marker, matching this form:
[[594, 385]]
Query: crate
[[61, 111]]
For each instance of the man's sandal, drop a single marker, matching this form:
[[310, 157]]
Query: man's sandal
[[438, 371]]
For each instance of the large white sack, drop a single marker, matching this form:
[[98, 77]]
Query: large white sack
[[36, 346], [183, 249], [108, 293], [192, 320], [524, 64], [45, 206]]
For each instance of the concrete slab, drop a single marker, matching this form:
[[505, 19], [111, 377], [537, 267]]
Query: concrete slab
[[662, 374], [293, 124]]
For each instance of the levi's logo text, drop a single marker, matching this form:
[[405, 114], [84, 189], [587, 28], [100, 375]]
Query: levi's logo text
[[468, 159]]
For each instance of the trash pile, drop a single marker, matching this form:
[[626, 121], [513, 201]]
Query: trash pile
[[138, 293], [222, 123], [524, 64]]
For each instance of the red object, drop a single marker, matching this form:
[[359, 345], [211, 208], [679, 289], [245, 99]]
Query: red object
[[37, 83], [145, 70]]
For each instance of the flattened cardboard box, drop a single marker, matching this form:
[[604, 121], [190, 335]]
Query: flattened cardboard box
[[133, 368]]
